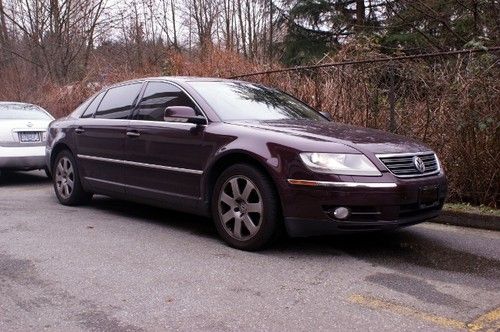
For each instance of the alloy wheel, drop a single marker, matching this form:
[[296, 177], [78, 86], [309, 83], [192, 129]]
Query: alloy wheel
[[240, 208], [65, 178]]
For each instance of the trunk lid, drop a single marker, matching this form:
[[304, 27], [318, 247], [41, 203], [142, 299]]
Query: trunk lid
[[9, 129]]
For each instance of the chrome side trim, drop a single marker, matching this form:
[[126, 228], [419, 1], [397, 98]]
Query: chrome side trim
[[409, 154], [134, 163], [416, 175], [130, 122], [313, 183], [124, 122], [161, 123]]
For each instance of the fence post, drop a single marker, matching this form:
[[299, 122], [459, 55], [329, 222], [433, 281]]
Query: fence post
[[317, 89], [392, 99]]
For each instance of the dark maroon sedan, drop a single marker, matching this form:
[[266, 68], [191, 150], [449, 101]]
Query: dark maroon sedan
[[252, 157]]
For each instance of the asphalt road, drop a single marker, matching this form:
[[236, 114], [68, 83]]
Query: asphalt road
[[117, 266]]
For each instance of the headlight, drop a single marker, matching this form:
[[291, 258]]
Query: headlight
[[338, 163]]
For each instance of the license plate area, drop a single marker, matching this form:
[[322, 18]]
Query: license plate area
[[29, 136], [428, 196]]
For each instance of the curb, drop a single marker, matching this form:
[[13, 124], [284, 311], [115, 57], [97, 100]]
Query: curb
[[472, 220]]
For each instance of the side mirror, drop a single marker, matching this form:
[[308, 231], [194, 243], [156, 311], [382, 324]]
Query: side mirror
[[327, 115], [184, 114]]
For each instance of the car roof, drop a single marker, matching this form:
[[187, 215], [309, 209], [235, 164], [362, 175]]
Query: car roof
[[189, 78], [175, 79]]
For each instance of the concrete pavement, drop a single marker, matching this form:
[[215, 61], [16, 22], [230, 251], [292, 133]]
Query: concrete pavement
[[118, 266]]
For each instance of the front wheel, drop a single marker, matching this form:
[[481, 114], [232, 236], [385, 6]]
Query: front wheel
[[67, 185], [245, 207]]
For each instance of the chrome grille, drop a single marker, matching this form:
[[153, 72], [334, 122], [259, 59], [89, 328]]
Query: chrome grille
[[403, 165]]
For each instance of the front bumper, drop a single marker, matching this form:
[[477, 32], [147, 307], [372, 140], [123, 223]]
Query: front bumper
[[22, 157], [386, 204]]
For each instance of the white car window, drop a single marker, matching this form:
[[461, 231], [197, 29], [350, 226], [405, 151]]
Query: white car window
[[22, 112]]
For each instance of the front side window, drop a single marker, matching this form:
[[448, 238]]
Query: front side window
[[118, 102], [157, 97], [92, 107], [82, 107]]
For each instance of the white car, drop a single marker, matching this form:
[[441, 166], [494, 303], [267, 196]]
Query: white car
[[23, 133]]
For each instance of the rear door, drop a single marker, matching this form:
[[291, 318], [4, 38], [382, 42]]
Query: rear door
[[100, 138], [167, 158]]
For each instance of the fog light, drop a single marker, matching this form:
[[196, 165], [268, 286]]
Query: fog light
[[341, 213]]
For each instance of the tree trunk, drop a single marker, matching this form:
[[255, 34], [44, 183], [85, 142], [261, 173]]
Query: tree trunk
[[249, 29], [496, 17], [242, 29], [360, 16], [4, 36], [227, 24], [174, 23], [3, 26], [270, 30]]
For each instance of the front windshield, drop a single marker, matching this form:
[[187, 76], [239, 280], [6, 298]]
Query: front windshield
[[22, 112], [248, 101]]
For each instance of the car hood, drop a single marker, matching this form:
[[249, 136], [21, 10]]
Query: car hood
[[359, 138]]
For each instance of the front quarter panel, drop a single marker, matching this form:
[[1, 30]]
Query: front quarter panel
[[278, 153], [59, 136]]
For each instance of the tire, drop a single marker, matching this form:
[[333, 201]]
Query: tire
[[249, 219], [66, 179]]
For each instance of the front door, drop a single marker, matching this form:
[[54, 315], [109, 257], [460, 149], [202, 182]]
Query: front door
[[100, 138], [167, 158]]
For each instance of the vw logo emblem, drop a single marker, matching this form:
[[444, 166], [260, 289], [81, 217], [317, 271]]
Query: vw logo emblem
[[29, 124], [419, 164]]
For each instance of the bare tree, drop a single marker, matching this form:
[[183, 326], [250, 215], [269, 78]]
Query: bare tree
[[205, 13], [56, 33], [4, 36]]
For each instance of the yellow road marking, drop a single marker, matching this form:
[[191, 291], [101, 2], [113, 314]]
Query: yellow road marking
[[489, 321]]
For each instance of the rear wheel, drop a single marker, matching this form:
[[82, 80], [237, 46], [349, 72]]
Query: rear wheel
[[67, 185], [245, 207]]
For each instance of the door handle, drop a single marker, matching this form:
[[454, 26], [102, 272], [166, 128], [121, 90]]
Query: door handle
[[133, 133], [79, 130]]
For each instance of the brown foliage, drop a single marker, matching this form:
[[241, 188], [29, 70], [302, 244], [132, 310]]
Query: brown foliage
[[452, 104]]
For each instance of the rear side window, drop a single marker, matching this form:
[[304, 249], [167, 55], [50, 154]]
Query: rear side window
[[89, 112], [118, 102], [157, 97]]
